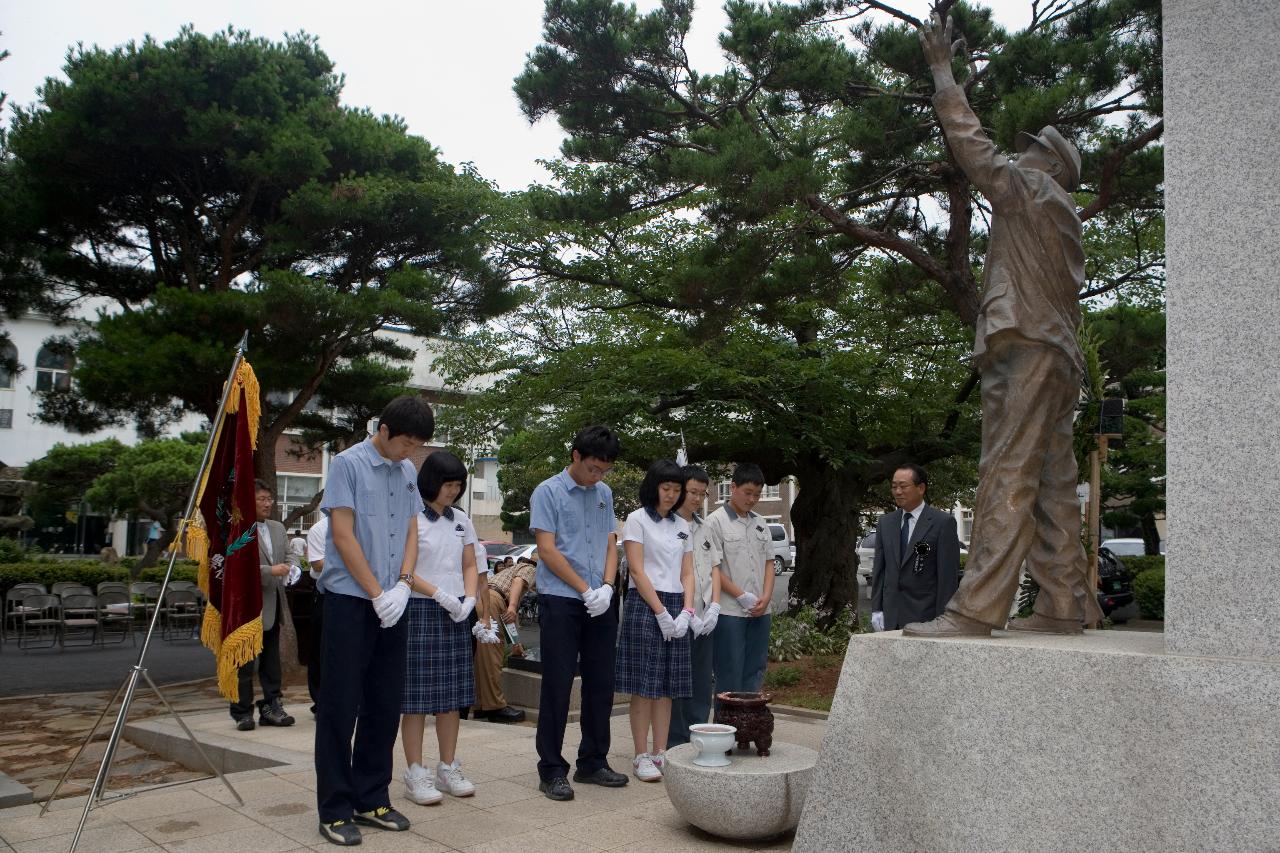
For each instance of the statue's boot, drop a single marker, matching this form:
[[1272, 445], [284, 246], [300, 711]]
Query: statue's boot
[[949, 624], [1041, 624]]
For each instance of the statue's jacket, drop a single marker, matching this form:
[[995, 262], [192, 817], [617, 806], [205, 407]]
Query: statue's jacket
[[1035, 262]]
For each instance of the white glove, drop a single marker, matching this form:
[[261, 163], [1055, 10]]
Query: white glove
[[468, 604], [295, 575], [451, 604], [682, 624], [710, 618], [598, 600], [695, 625], [394, 601], [666, 624], [877, 620], [748, 600], [483, 633]]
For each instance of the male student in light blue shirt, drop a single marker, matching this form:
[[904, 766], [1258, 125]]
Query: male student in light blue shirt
[[572, 518], [371, 499]]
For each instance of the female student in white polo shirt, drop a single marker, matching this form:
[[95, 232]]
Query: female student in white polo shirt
[[439, 678], [653, 643]]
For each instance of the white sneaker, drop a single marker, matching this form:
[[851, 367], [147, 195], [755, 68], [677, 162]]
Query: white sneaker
[[645, 769], [418, 786], [659, 760], [449, 779]]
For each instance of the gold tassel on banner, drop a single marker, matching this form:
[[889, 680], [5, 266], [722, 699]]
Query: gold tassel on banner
[[244, 644]]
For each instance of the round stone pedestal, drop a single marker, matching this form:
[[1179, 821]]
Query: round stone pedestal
[[754, 797]]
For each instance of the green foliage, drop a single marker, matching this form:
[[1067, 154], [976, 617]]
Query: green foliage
[[11, 550], [48, 572], [783, 676], [153, 477], [253, 199], [65, 473], [1137, 565], [797, 635], [183, 570], [1148, 591]]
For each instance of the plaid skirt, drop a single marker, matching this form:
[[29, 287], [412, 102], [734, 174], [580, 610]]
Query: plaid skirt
[[438, 675], [646, 664]]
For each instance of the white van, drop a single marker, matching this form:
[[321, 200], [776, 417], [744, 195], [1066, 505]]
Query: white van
[[783, 552]]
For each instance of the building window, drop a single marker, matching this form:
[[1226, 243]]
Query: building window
[[6, 418], [294, 491], [771, 493], [723, 490], [8, 359], [53, 369]]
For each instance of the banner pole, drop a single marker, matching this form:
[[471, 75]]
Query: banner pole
[[139, 669]]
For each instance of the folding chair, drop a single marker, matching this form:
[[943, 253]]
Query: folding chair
[[79, 615], [63, 587], [115, 613], [113, 586], [42, 621], [15, 609], [180, 615], [144, 595]]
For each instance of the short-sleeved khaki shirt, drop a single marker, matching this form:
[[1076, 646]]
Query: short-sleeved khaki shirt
[[744, 543], [706, 556]]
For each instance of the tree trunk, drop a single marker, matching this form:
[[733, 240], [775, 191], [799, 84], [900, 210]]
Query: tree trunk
[[1150, 534], [154, 549], [825, 518]]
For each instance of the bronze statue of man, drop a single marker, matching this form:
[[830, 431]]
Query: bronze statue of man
[[1029, 356]]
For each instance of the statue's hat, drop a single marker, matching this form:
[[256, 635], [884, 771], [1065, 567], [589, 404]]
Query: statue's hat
[[1059, 146]]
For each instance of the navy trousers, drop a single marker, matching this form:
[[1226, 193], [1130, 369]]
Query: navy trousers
[[574, 642], [696, 708], [741, 646], [360, 694]]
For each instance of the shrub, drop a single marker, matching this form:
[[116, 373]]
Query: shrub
[[797, 635], [183, 570], [1148, 590], [782, 676], [1137, 565], [48, 572], [11, 550]]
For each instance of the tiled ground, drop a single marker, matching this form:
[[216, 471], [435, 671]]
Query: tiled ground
[[507, 814]]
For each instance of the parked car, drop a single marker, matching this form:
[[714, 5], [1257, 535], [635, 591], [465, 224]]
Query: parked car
[[1127, 547], [784, 555], [1114, 587]]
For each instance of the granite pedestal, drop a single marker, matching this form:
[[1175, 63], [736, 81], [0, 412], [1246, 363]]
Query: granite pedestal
[[1022, 742], [753, 797]]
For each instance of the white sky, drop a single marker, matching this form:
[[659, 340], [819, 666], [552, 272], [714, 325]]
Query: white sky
[[445, 66]]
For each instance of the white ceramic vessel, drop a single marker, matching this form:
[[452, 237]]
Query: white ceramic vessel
[[712, 740]]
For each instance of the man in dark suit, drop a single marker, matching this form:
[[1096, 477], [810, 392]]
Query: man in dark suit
[[917, 562], [274, 563]]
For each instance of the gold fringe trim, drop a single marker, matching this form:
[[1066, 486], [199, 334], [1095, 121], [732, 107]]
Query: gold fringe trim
[[211, 629], [246, 378], [244, 644], [198, 550]]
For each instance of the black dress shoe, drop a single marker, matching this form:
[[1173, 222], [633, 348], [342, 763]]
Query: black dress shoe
[[273, 715], [556, 789], [505, 715], [245, 724], [604, 776]]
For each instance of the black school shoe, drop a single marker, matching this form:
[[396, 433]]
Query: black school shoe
[[502, 715], [556, 789], [341, 832], [273, 714], [383, 817], [604, 776], [246, 724]]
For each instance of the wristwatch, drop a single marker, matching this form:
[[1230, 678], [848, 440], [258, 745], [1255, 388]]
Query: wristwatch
[[408, 579]]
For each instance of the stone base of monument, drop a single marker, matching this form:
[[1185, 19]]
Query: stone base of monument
[[1026, 742], [753, 797]]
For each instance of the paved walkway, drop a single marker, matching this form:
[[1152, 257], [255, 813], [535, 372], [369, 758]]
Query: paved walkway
[[507, 814]]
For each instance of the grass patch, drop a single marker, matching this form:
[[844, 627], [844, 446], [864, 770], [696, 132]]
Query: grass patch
[[783, 676]]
